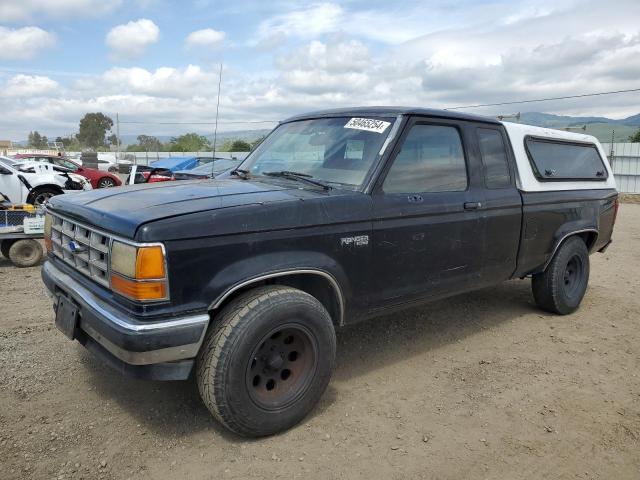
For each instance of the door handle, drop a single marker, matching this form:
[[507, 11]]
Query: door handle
[[472, 205]]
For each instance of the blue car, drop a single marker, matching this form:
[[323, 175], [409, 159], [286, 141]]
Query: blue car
[[173, 164]]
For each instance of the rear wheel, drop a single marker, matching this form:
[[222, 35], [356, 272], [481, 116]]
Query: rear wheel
[[267, 361], [106, 182], [25, 253], [561, 287]]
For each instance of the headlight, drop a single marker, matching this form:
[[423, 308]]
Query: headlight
[[138, 273]]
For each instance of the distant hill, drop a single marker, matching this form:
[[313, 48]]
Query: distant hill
[[600, 127]]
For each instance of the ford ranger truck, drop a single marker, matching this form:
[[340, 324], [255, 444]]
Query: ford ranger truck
[[336, 217]]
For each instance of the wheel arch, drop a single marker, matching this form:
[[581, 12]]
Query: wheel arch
[[588, 235], [35, 188], [318, 283]]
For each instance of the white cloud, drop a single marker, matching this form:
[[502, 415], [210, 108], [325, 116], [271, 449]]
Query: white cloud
[[163, 82], [309, 22], [489, 54], [29, 86], [132, 39], [207, 38], [25, 10], [24, 43]]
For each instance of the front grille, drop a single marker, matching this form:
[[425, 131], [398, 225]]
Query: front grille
[[91, 253]]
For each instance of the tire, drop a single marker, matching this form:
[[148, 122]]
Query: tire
[[266, 362], [106, 182], [5, 245], [40, 195], [25, 253], [561, 287]]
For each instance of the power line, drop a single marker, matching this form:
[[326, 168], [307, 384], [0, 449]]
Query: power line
[[197, 123], [544, 99]]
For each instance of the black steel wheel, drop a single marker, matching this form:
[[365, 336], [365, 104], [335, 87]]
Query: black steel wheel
[[267, 360], [106, 182], [561, 287], [282, 366]]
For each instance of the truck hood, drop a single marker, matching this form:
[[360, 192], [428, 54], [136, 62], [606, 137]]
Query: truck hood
[[123, 210]]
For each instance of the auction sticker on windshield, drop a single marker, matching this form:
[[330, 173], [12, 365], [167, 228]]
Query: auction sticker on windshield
[[367, 124]]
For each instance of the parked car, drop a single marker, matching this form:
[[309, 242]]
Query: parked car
[[36, 183], [337, 217], [98, 178], [201, 168], [107, 162], [207, 170]]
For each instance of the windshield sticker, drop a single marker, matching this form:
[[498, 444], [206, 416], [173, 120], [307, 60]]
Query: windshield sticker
[[367, 124]]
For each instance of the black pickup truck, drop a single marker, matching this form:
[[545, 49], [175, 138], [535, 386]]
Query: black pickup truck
[[337, 217]]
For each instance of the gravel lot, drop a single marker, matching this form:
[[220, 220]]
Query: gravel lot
[[478, 386]]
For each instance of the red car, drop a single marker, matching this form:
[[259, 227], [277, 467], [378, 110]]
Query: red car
[[98, 178]]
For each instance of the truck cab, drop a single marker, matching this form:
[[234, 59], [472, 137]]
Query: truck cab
[[336, 217]]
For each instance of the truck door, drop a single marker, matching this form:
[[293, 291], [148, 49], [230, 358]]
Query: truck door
[[501, 207], [427, 218]]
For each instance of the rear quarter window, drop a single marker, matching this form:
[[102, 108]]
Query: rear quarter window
[[554, 160]]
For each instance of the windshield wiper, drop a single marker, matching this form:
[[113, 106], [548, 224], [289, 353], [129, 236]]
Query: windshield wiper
[[305, 177], [239, 172]]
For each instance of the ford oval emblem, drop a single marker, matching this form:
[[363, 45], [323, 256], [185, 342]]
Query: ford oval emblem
[[75, 247]]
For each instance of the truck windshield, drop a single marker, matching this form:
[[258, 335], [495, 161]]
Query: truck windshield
[[337, 150]]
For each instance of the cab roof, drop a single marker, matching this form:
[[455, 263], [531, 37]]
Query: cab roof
[[387, 111]]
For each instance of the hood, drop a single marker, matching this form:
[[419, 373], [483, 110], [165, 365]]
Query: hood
[[123, 210]]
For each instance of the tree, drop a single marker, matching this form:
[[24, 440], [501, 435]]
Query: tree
[[112, 139], [635, 138], [149, 143], [257, 142], [189, 142], [93, 129], [240, 146], [36, 140]]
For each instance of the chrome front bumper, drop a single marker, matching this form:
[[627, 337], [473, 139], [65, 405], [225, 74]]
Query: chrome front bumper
[[131, 341]]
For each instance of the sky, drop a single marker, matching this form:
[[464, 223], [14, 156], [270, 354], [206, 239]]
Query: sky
[[157, 61]]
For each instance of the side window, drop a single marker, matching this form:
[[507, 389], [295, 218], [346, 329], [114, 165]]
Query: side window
[[494, 158], [431, 160]]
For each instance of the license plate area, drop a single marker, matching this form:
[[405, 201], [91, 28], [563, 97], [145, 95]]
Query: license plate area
[[66, 316]]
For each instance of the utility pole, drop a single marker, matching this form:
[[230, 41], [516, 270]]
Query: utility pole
[[117, 137]]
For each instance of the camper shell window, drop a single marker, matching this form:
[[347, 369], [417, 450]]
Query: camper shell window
[[556, 160]]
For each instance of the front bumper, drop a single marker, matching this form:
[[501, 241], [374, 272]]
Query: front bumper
[[162, 349]]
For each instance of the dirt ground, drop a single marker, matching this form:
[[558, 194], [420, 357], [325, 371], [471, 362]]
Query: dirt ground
[[478, 386]]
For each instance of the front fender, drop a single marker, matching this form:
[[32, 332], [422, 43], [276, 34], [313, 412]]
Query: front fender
[[269, 265]]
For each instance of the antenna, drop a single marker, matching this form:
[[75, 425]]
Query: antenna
[[215, 130]]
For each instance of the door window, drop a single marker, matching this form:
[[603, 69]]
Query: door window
[[494, 158], [431, 160]]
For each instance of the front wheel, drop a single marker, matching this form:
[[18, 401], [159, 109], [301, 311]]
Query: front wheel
[[561, 287], [267, 361]]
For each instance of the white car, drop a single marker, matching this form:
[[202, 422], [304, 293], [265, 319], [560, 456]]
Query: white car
[[35, 183], [107, 162]]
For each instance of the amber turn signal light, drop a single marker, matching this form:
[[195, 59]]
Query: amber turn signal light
[[138, 290]]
